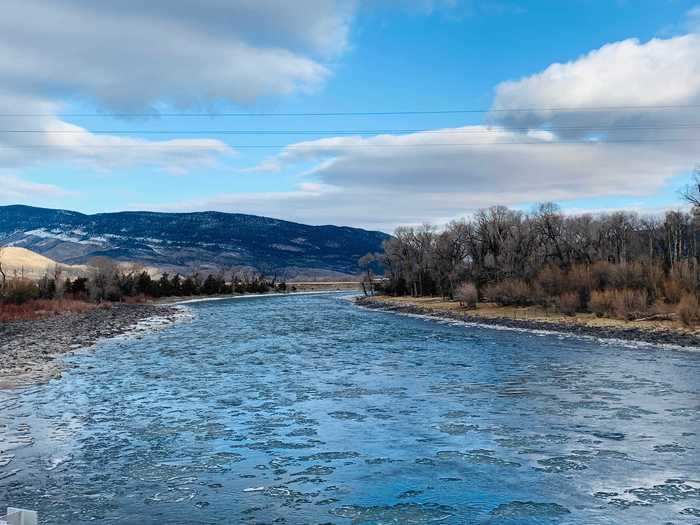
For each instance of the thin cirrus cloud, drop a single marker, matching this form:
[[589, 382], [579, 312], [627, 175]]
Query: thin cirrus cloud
[[522, 156], [12, 188]]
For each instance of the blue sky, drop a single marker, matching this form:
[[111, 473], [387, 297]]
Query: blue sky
[[347, 56]]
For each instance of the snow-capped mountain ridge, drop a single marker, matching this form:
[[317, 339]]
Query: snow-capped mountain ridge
[[187, 241]]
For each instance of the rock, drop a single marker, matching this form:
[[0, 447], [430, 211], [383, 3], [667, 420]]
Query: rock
[[29, 345]]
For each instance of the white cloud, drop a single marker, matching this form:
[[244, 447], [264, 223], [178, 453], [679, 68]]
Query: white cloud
[[528, 157], [660, 72], [385, 181], [130, 55], [135, 56], [58, 140], [13, 189]]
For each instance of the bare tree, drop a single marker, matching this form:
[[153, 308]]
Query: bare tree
[[2, 271], [691, 193], [500, 244], [102, 276], [365, 262], [58, 282]]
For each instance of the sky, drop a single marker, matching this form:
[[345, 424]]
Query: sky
[[369, 113]]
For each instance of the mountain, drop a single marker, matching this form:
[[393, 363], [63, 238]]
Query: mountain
[[186, 241]]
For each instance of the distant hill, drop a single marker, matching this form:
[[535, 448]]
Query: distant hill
[[185, 241], [23, 262]]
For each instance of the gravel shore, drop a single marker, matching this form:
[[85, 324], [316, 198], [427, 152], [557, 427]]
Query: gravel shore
[[661, 337], [30, 350]]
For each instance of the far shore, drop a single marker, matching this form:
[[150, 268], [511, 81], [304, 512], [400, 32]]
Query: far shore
[[661, 332], [222, 297]]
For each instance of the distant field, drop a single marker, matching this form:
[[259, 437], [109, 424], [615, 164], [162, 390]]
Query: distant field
[[312, 286], [20, 261]]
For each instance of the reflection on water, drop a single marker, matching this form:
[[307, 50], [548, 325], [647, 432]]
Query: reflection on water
[[310, 410]]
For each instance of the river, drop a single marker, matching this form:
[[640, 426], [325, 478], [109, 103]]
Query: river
[[308, 409]]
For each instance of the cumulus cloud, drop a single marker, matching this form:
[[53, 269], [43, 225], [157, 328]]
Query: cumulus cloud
[[135, 56], [132, 55], [128, 56], [526, 156], [626, 74]]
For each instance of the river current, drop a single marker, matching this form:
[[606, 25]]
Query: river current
[[308, 409]]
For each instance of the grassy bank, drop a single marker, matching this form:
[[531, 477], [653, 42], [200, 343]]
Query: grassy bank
[[40, 308], [653, 330]]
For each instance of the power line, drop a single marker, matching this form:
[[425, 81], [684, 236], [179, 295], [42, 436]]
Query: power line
[[447, 131], [363, 113], [166, 145]]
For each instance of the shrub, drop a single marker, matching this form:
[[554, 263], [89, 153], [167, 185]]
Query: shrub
[[685, 274], [510, 292], [636, 276], [673, 290], [681, 281], [602, 302], [624, 304], [579, 277], [601, 275], [539, 296], [569, 303], [630, 303], [654, 278], [579, 281], [551, 280], [20, 291], [689, 309], [467, 294]]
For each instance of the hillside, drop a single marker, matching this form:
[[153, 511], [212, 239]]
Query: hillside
[[20, 261], [186, 241]]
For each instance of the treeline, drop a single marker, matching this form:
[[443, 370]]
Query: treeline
[[108, 281], [618, 264]]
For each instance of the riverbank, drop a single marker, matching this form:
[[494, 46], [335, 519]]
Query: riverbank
[[30, 350], [534, 318]]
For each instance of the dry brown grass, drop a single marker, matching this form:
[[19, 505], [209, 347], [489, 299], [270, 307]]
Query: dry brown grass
[[689, 309], [602, 303], [569, 303], [629, 303], [622, 304], [38, 308], [547, 315], [673, 290]]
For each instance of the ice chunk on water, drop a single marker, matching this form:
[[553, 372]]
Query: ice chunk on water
[[404, 513], [526, 509]]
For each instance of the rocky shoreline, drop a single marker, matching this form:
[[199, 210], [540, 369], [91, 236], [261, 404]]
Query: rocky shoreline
[[30, 351], [659, 337]]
